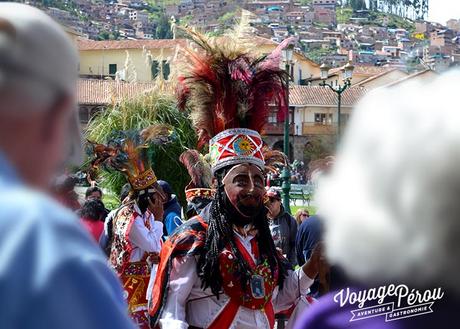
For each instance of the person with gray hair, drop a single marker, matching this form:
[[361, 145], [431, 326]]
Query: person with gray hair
[[52, 275]]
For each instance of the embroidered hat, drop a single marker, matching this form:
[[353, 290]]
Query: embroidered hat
[[127, 152], [235, 146]]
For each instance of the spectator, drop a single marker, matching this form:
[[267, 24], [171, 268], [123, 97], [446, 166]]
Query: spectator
[[52, 275], [301, 215], [172, 209], [282, 226], [92, 215], [308, 236], [93, 193]]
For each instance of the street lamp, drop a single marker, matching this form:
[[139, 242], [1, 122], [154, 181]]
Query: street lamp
[[287, 53], [347, 72]]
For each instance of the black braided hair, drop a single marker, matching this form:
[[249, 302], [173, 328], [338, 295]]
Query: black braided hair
[[220, 234]]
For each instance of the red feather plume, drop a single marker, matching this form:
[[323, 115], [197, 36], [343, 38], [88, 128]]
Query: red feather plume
[[227, 88], [198, 169]]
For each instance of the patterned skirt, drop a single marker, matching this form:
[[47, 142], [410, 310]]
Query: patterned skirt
[[135, 279]]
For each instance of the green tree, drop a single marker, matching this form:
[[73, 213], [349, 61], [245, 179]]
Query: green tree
[[163, 30], [157, 106], [227, 19], [103, 35], [185, 20]]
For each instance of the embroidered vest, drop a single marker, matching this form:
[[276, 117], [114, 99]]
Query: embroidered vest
[[253, 297], [120, 253], [256, 295]]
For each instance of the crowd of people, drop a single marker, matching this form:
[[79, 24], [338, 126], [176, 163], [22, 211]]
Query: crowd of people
[[233, 257], [155, 220]]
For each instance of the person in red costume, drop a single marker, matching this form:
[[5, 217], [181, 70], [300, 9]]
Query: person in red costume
[[221, 269], [137, 226]]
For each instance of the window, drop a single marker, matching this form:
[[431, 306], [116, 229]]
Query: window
[[323, 118], [166, 69], [154, 69], [112, 69], [272, 117], [84, 114]]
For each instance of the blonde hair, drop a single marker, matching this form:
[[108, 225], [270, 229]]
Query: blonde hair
[[298, 215]]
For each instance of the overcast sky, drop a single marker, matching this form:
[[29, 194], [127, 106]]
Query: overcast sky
[[443, 10]]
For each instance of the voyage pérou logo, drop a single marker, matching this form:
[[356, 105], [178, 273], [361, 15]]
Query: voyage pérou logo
[[393, 302]]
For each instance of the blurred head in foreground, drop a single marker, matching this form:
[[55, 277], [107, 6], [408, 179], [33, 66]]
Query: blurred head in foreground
[[38, 72], [46, 256], [391, 203]]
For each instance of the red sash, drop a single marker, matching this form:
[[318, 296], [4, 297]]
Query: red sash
[[226, 316]]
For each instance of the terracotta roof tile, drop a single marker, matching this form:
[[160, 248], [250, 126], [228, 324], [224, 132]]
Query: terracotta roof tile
[[316, 95], [103, 92], [85, 44]]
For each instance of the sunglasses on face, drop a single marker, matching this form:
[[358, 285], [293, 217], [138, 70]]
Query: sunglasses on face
[[304, 215]]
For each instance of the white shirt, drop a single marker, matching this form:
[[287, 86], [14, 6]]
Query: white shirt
[[142, 239], [145, 240], [181, 310]]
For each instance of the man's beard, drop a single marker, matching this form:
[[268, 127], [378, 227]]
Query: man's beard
[[245, 214]]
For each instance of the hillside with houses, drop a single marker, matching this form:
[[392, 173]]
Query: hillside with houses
[[327, 31], [127, 47]]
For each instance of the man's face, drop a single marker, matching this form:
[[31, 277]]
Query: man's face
[[244, 187], [274, 207]]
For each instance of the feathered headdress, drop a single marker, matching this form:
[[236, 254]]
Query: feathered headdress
[[273, 159], [200, 173], [127, 152], [228, 88], [230, 93]]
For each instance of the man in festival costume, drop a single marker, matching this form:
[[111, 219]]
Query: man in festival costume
[[221, 269], [136, 228]]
